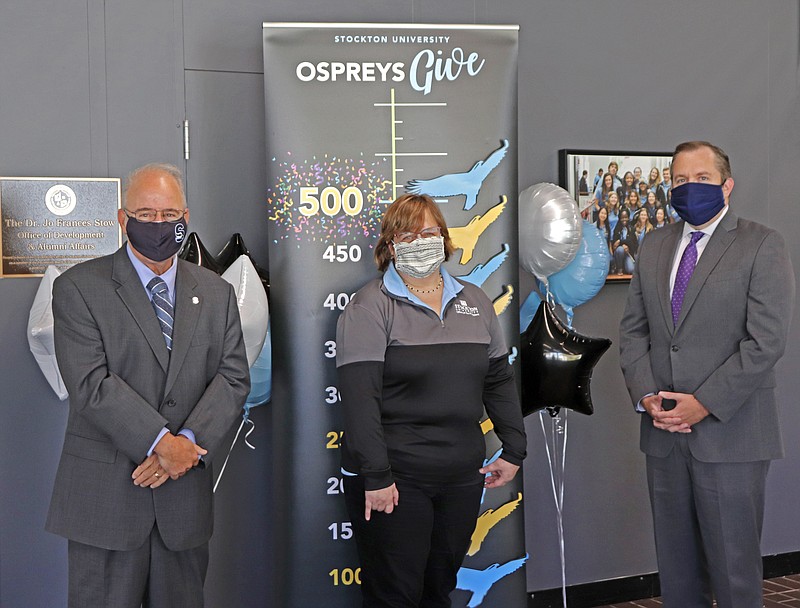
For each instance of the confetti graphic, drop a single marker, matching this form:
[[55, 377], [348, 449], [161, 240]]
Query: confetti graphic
[[328, 198]]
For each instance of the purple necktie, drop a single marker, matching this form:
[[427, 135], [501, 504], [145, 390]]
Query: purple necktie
[[685, 270]]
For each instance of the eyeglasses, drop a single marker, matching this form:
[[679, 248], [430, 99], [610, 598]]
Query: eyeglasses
[[150, 215], [410, 237]]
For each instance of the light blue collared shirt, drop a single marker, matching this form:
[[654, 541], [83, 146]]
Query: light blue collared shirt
[[146, 275], [395, 285]]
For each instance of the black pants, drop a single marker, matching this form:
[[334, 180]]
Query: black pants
[[410, 557]]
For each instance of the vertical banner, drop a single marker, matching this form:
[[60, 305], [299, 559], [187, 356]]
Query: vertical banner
[[357, 114]]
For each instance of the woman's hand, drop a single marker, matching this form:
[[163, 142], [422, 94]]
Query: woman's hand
[[385, 500], [500, 473]]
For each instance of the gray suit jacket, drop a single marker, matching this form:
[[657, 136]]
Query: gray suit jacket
[[124, 387], [732, 330]]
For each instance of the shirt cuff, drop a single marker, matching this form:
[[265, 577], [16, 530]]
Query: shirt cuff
[[639, 407], [189, 434], [163, 432]]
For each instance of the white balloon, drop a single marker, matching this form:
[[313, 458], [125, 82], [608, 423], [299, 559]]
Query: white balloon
[[550, 229], [40, 332], [253, 305]]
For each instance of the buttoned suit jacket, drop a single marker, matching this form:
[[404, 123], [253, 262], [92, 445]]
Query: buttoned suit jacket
[[731, 332], [125, 386]]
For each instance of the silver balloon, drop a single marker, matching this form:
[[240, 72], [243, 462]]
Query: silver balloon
[[550, 229], [253, 304]]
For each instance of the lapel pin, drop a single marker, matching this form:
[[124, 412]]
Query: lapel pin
[[195, 300]]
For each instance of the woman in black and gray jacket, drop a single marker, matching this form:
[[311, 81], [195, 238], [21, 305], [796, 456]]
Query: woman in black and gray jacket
[[419, 355]]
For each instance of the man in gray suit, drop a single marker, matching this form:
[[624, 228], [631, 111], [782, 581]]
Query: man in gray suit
[[705, 323], [151, 351]]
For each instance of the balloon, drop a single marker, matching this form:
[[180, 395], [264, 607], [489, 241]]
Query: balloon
[[194, 251], [585, 275], [261, 377], [528, 309], [557, 365], [549, 229], [253, 306], [40, 332], [232, 250]]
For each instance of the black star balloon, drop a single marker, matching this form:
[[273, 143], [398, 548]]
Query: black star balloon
[[557, 365], [194, 251]]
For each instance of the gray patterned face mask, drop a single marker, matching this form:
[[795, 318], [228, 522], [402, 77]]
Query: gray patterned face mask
[[420, 258]]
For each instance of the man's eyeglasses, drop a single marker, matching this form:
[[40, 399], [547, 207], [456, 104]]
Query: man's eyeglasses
[[410, 237], [150, 215]]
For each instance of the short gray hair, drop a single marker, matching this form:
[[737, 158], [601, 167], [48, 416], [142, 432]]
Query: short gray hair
[[166, 168]]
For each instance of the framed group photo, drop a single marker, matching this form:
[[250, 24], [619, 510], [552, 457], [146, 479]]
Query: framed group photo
[[625, 194]]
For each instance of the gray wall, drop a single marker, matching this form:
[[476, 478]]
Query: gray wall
[[94, 88]]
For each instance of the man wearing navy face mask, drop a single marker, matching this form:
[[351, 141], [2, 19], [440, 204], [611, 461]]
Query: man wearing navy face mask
[[705, 323], [151, 351]]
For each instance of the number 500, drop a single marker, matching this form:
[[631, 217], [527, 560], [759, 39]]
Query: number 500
[[330, 201]]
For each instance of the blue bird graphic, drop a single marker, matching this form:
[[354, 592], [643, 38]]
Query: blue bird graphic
[[457, 184], [478, 275], [478, 582], [488, 461]]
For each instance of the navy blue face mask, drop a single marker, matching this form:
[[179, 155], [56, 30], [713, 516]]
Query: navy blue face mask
[[156, 241], [697, 202]]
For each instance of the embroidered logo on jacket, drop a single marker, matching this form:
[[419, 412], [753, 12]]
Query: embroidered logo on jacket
[[462, 308]]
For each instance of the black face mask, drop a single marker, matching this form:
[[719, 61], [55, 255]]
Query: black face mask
[[156, 241]]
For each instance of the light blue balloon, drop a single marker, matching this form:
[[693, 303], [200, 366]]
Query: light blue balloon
[[261, 377], [581, 279], [527, 310]]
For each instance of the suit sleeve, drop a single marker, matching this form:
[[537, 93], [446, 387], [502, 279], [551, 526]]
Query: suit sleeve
[[97, 394], [224, 396], [770, 301], [634, 339]]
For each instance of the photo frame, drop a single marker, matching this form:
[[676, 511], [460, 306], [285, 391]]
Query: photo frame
[[583, 173]]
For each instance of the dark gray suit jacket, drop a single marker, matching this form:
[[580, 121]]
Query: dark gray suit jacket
[[732, 330], [124, 387]]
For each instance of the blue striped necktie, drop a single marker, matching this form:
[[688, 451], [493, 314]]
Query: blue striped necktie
[[163, 307]]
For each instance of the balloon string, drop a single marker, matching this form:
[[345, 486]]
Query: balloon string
[[249, 432], [557, 484], [225, 464]]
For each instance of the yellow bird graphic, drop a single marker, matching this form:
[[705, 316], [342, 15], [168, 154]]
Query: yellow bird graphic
[[488, 520], [502, 302], [466, 237]]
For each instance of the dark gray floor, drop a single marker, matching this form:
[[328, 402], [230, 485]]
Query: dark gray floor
[[782, 592]]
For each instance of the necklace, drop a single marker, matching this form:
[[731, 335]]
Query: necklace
[[418, 290]]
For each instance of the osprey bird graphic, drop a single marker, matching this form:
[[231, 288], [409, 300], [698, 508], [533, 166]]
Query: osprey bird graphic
[[501, 303], [488, 520], [466, 237], [457, 184], [480, 581], [478, 275]]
